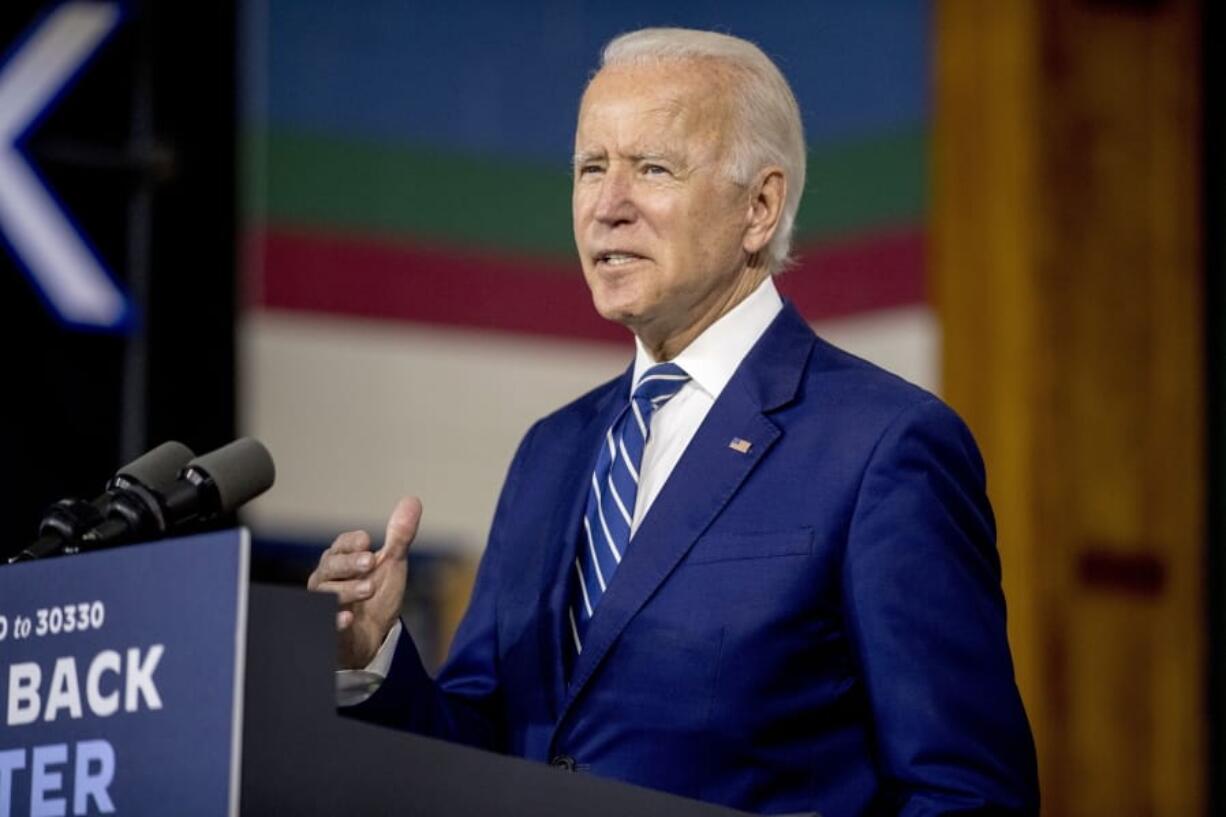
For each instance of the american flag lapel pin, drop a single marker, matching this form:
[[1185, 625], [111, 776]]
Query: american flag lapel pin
[[740, 446]]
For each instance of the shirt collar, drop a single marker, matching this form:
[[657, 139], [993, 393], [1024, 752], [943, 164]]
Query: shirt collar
[[711, 358]]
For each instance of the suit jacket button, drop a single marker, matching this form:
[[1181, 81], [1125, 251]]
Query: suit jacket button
[[563, 762]]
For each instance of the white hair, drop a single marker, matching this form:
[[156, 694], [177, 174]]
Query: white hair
[[766, 119]]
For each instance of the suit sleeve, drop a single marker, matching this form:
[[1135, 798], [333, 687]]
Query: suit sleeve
[[927, 619], [465, 704]]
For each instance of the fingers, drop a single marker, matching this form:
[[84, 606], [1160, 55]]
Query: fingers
[[349, 557], [401, 528], [352, 572], [353, 541], [348, 591], [335, 567]]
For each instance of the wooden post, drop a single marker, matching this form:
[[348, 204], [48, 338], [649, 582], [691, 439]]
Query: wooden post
[[1066, 268]]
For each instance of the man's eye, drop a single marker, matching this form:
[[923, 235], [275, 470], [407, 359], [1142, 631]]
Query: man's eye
[[588, 170], [655, 170]]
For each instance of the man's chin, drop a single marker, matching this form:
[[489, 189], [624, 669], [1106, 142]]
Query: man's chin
[[618, 310]]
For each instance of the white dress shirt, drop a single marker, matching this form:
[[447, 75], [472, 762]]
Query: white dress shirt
[[710, 360]]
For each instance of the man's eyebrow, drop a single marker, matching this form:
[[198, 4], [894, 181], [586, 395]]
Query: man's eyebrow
[[584, 156], [657, 155]]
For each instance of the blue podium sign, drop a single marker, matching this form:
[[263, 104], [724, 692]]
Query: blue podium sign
[[121, 680]]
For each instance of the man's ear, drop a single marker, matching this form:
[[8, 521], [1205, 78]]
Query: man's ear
[[769, 190]]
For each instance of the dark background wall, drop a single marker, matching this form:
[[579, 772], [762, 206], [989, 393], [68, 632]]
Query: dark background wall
[[140, 151]]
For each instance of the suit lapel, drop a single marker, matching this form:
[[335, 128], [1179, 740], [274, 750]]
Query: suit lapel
[[700, 486], [550, 564]]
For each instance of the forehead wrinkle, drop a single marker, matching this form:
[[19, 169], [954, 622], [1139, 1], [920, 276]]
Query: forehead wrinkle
[[648, 154], [697, 104], [643, 146], [704, 114]]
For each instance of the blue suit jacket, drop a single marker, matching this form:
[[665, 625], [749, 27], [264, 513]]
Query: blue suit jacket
[[816, 623]]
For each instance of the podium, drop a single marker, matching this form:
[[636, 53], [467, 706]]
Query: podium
[[156, 679]]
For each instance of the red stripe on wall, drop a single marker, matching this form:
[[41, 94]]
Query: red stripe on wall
[[343, 275], [865, 274], [361, 277]]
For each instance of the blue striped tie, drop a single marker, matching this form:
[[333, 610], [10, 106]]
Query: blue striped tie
[[613, 491]]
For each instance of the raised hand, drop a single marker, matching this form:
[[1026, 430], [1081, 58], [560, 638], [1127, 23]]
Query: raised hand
[[369, 585]]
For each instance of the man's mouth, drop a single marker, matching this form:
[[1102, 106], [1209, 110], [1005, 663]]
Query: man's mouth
[[616, 258]]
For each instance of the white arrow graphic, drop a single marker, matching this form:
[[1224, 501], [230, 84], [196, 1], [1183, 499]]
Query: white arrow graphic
[[67, 271]]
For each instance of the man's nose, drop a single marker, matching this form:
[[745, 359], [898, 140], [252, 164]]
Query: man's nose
[[615, 200]]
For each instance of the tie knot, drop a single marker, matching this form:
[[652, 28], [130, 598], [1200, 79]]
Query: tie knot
[[659, 384]]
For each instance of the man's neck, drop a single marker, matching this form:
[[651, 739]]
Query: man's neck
[[713, 357], [668, 346]]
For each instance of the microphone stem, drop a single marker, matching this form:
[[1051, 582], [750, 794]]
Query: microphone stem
[[40, 548], [107, 533]]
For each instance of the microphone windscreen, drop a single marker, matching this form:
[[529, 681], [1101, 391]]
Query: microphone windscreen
[[241, 471], [159, 466]]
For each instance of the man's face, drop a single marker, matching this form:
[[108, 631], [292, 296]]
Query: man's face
[[659, 227]]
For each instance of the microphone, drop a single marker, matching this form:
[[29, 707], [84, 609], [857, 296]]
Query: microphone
[[217, 483], [68, 520]]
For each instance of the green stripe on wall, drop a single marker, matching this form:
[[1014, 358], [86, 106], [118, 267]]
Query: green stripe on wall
[[417, 192], [865, 185], [854, 187]]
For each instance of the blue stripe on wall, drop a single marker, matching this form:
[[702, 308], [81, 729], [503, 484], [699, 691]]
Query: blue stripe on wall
[[505, 77]]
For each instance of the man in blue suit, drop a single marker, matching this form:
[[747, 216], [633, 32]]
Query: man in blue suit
[[753, 569]]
